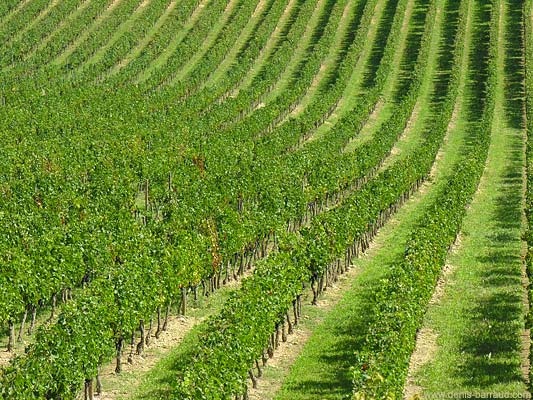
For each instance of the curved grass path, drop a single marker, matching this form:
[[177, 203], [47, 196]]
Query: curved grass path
[[475, 325]]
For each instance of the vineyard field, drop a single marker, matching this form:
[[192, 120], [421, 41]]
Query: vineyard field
[[266, 199]]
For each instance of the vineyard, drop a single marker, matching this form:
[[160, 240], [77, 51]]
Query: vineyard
[[266, 199]]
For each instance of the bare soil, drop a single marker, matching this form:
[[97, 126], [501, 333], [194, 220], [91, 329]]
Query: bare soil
[[177, 328]]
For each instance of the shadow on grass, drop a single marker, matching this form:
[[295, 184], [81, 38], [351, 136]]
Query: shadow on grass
[[441, 80], [346, 43], [492, 345], [380, 41], [324, 365], [514, 65], [412, 48]]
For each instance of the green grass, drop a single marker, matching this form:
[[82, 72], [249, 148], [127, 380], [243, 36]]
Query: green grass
[[312, 318], [479, 320]]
